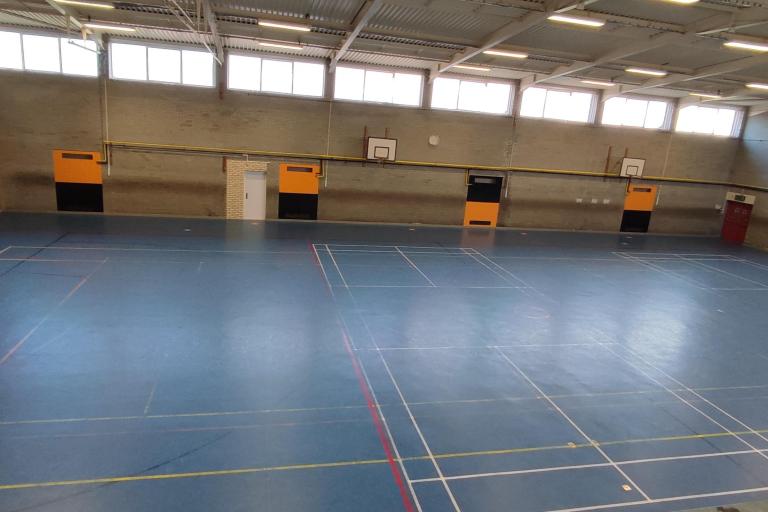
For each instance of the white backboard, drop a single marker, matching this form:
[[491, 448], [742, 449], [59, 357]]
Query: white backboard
[[381, 149], [632, 167]]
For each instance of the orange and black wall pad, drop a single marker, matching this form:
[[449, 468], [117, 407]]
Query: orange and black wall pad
[[299, 188], [483, 198], [78, 181], [638, 207]]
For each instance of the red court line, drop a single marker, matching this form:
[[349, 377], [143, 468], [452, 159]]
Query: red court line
[[379, 427], [369, 402]]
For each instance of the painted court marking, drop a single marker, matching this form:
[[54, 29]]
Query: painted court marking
[[385, 435], [74, 248], [573, 423], [412, 264], [402, 398], [433, 457], [34, 329]]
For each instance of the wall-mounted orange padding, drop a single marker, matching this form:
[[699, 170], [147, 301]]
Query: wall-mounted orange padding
[[299, 179], [76, 166], [640, 198], [481, 214]]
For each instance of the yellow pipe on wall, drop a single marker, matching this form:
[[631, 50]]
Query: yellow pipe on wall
[[410, 163]]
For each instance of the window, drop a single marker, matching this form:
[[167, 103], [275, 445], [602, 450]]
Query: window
[[724, 122], [636, 112], [557, 104], [129, 61], [377, 86], [164, 65], [196, 68], [34, 52], [79, 57], [471, 95], [41, 53], [10, 50], [277, 76], [159, 64], [272, 75]]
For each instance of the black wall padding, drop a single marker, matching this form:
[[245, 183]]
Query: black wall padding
[[484, 189], [635, 221], [79, 197], [297, 206]]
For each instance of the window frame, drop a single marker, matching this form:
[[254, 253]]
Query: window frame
[[591, 119], [737, 128], [669, 115], [391, 69], [36, 31], [162, 46], [281, 58], [513, 91]]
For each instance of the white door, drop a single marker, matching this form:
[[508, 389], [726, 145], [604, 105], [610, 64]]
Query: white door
[[255, 200]]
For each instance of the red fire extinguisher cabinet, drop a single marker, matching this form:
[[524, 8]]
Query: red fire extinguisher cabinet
[[738, 210]]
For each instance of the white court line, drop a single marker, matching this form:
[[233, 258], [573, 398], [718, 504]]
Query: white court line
[[337, 267], [686, 402], [322, 268], [70, 248], [740, 289], [373, 393], [440, 247], [753, 263], [442, 286], [483, 347], [440, 475], [1, 252], [588, 466], [661, 270], [662, 500], [411, 263], [763, 285], [704, 254], [486, 266], [573, 424], [364, 251], [46, 260], [407, 407]]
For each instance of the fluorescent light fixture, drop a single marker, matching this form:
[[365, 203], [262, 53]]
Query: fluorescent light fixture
[[577, 20], [285, 26], [644, 71], [704, 95], [763, 87], [85, 4], [501, 53], [598, 82], [471, 68], [683, 2], [104, 26], [747, 45], [285, 46]]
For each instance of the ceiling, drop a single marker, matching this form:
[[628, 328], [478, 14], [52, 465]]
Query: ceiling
[[686, 41]]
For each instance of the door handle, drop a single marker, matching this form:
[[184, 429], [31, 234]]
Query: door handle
[[246, 195]]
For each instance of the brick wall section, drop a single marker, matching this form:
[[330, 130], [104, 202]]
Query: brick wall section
[[236, 183]]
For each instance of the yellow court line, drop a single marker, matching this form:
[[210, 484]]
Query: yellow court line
[[350, 407], [196, 474], [362, 462]]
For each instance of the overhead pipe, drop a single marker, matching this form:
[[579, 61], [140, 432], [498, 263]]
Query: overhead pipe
[[214, 151]]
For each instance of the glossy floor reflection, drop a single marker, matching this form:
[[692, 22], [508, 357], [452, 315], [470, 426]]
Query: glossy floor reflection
[[190, 365]]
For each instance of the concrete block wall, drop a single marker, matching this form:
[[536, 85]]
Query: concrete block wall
[[184, 184], [751, 167]]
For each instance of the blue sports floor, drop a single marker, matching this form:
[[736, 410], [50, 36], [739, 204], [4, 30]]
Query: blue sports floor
[[201, 365]]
